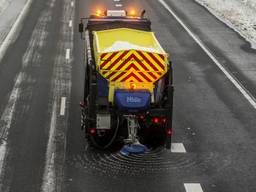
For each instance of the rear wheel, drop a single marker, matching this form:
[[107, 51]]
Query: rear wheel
[[152, 136], [168, 142]]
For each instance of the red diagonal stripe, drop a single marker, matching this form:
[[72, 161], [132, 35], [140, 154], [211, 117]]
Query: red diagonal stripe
[[156, 60], [123, 64], [145, 77], [162, 56], [132, 66], [141, 63], [131, 75], [146, 59], [103, 55], [152, 75], [118, 59], [111, 74], [108, 60], [118, 76], [114, 72], [132, 56]]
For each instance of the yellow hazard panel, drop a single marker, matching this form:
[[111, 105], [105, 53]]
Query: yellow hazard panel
[[126, 56], [132, 66]]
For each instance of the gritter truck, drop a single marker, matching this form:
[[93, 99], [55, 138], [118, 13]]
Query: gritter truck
[[128, 85]]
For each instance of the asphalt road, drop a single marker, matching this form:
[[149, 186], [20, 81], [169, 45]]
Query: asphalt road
[[41, 85]]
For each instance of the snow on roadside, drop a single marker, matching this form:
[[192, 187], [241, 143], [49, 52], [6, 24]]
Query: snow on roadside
[[237, 14], [11, 14], [4, 4]]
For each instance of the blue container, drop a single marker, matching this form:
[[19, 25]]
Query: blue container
[[132, 101]]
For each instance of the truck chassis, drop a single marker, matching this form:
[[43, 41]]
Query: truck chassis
[[151, 127]]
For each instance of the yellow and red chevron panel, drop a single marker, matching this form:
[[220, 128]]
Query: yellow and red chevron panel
[[132, 66]]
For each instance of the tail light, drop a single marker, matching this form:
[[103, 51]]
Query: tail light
[[92, 131], [169, 132], [156, 120]]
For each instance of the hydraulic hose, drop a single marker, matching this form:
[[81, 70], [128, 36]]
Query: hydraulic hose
[[110, 142]]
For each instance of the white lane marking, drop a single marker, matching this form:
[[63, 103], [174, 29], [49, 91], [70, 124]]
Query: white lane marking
[[62, 106], [6, 119], [116, 0], [178, 148], [49, 169], [67, 53], [60, 86], [72, 3], [193, 187], [237, 84], [119, 5], [70, 24], [3, 152], [16, 26]]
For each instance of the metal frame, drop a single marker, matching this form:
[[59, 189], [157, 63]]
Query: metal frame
[[91, 90]]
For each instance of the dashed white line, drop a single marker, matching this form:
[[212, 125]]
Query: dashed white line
[[72, 3], [119, 5], [62, 106], [67, 53], [236, 83], [116, 0], [193, 187], [178, 148], [70, 24]]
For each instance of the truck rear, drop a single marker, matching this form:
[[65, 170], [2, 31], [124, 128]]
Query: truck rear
[[128, 92]]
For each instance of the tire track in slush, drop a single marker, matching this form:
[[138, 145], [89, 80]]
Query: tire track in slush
[[32, 56], [60, 88], [155, 162], [6, 121]]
